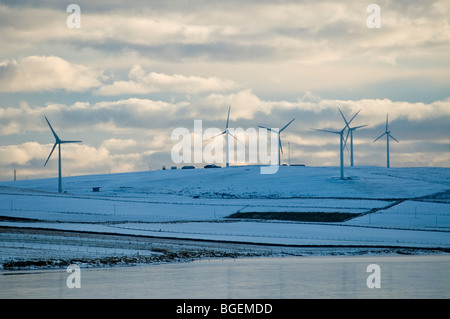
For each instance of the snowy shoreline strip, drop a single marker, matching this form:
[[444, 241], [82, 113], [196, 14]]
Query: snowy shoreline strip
[[261, 233]]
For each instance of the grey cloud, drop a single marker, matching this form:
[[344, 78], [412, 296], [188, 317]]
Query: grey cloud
[[327, 49], [45, 73], [178, 52]]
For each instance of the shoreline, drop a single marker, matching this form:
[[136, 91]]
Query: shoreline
[[23, 248]]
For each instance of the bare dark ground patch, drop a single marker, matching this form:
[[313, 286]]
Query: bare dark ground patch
[[295, 216]]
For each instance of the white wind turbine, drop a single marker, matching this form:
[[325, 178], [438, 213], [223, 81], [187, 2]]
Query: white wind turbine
[[58, 142], [280, 147], [227, 132], [350, 131], [341, 140], [388, 134]]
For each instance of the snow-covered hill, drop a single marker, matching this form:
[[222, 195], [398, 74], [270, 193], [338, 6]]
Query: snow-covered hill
[[392, 207]]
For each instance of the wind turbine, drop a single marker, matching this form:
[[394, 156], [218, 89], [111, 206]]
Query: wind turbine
[[388, 134], [227, 132], [350, 131], [280, 147], [58, 142], [341, 140]]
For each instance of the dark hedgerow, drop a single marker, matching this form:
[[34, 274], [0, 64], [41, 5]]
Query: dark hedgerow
[[294, 216], [166, 257]]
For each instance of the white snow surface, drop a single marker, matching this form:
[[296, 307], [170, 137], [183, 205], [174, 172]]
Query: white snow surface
[[400, 207]]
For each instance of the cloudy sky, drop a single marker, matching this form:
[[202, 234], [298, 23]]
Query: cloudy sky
[[136, 70]]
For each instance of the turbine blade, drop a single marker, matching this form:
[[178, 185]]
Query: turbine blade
[[345, 146], [286, 125], [279, 143], [343, 115], [214, 136], [328, 131], [228, 117], [380, 136], [267, 128], [51, 153], [346, 138], [65, 142], [236, 138], [393, 138], [387, 122], [357, 127], [53, 131], [353, 117]]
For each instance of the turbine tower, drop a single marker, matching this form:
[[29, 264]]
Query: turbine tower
[[388, 134], [58, 142], [226, 132], [341, 141], [280, 147], [350, 131]]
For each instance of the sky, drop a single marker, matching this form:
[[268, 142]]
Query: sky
[[123, 75]]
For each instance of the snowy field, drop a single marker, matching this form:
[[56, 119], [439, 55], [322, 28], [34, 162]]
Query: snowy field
[[396, 207]]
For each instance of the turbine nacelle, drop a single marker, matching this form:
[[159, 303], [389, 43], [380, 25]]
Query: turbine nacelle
[[278, 132], [226, 133], [280, 146], [58, 142], [341, 137], [387, 132], [388, 135]]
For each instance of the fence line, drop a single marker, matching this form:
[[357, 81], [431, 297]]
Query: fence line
[[287, 236]]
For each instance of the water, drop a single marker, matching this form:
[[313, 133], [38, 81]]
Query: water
[[254, 278]]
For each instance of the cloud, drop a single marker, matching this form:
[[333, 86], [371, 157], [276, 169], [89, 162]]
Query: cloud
[[131, 134], [271, 47], [21, 154], [297, 31], [244, 105], [141, 83], [45, 73], [77, 159], [125, 116], [114, 144], [168, 63]]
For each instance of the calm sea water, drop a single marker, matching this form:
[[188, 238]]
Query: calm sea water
[[269, 278]]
